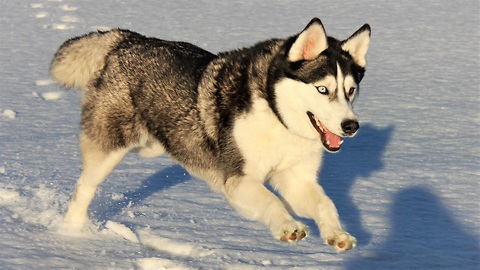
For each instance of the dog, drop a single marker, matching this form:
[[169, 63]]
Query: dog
[[237, 119]]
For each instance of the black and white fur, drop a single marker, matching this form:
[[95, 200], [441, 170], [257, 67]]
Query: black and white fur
[[236, 120]]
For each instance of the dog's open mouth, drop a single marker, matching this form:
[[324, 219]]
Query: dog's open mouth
[[330, 141]]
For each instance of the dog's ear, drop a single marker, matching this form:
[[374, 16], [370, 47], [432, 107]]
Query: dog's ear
[[357, 44], [310, 43]]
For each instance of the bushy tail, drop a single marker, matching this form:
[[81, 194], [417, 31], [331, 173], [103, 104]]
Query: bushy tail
[[77, 60]]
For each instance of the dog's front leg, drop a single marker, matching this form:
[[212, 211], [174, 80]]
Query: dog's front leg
[[254, 201], [300, 190]]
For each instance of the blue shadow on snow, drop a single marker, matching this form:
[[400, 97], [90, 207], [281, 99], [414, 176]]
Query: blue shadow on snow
[[159, 181], [360, 156], [423, 235]]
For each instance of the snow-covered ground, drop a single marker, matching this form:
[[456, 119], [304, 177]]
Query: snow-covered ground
[[407, 186]]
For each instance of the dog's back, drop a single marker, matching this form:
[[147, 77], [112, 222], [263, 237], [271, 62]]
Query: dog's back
[[126, 75], [78, 59]]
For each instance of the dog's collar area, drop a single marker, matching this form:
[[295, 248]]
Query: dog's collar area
[[330, 141]]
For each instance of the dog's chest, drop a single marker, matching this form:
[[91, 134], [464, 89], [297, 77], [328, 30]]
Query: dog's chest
[[266, 145]]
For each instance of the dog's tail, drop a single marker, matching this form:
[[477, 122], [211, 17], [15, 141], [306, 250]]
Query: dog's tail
[[78, 59]]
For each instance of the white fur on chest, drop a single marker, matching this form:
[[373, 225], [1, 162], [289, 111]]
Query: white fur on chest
[[267, 146]]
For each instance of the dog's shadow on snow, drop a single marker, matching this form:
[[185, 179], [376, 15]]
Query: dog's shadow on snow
[[159, 181], [360, 156], [423, 235]]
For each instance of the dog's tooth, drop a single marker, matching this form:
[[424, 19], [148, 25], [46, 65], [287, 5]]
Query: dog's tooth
[[319, 124], [328, 142], [341, 142]]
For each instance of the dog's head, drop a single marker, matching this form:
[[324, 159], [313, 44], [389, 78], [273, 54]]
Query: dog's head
[[318, 82]]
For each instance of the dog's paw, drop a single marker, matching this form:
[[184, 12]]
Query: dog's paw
[[342, 242], [292, 232]]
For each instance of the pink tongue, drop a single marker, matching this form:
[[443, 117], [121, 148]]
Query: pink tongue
[[334, 140]]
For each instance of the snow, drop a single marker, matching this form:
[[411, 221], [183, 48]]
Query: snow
[[52, 95], [9, 113], [407, 186]]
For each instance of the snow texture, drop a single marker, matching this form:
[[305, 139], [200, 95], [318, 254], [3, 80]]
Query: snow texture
[[407, 186]]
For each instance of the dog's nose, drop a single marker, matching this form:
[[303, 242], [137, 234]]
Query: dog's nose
[[350, 126]]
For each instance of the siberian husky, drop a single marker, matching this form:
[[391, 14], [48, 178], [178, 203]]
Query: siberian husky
[[236, 119]]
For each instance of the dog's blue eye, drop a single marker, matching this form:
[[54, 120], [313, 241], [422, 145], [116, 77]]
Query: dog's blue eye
[[322, 90]]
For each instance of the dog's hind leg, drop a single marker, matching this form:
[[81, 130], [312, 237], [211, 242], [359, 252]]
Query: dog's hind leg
[[253, 200], [96, 165]]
